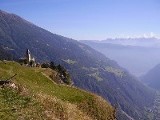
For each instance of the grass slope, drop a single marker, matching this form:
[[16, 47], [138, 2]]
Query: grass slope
[[37, 97]]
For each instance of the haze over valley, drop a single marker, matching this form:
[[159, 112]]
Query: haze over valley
[[138, 55]]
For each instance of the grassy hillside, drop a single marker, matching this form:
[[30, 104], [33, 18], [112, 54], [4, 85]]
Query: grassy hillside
[[38, 97]]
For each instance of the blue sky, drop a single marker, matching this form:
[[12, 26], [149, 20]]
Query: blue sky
[[90, 19]]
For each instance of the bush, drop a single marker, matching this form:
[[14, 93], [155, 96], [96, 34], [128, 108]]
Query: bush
[[45, 65]]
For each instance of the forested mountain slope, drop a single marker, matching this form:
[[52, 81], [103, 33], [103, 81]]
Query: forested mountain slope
[[152, 77]]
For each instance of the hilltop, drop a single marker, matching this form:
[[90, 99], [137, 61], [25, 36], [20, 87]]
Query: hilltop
[[38, 97]]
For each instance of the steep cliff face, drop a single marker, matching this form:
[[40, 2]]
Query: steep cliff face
[[89, 69]]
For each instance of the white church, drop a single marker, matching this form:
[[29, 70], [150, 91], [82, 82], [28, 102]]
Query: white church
[[28, 60], [29, 57]]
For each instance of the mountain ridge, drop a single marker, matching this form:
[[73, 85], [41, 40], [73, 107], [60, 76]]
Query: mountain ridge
[[152, 77], [149, 42]]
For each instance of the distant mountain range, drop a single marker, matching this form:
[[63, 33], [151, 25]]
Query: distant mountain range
[[89, 69], [138, 55], [141, 41]]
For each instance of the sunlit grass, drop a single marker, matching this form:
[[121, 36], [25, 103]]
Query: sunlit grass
[[37, 84]]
